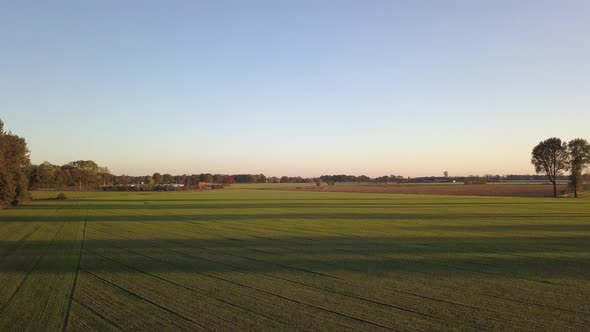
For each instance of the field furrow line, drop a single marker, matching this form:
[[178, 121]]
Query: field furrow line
[[440, 264], [75, 283], [184, 286], [29, 271], [99, 315], [308, 286], [517, 317], [146, 300]]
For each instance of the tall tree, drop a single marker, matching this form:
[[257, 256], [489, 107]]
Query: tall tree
[[157, 178], [579, 152], [85, 172], [14, 164], [551, 157], [167, 178], [206, 177], [148, 180]]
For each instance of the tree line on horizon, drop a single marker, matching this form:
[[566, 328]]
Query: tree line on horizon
[[86, 174], [551, 157]]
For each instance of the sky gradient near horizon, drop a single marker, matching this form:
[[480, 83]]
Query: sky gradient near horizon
[[295, 87]]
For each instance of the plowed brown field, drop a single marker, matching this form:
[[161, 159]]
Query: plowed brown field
[[507, 190]]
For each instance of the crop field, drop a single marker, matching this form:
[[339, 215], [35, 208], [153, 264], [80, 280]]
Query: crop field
[[459, 189], [244, 259]]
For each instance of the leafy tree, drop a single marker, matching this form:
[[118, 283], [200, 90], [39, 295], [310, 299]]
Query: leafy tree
[[579, 153], [86, 165], [14, 164], [206, 177], [218, 178], [551, 157], [33, 176], [124, 180], [360, 178], [382, 179], [167, 178], [261, 178], [157, 178], [318, 182], [149, 180], [46, 173], [84, 172]]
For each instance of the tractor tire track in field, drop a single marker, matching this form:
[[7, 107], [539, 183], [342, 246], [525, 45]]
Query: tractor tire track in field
[[372, 255], [185, 286], [17, 245], [223, 281], [347, 294], [139, 297], [294, 301], [269, 293], [30, 270], [283, 279], [516, 318], [439, 263], [362, 299], [75, 283], [369, 255], [426, 256], [277, 264], [344, 250], [99, 315], [21, 241], [305, 285], [426, 273], [415, 294], [2, 307]]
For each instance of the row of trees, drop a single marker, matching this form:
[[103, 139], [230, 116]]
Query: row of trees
[[80, 173], [86, 174], [552, 157], [14, 162]]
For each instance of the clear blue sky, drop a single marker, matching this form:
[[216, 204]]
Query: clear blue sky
[[295, 87]]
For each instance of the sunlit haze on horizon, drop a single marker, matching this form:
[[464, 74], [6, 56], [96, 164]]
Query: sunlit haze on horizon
[[295, 87]]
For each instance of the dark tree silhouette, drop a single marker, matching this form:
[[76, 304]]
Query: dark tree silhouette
[[579, 153], [551, 157]]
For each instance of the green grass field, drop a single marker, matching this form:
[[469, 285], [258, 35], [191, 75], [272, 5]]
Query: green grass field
[[276, 260]]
